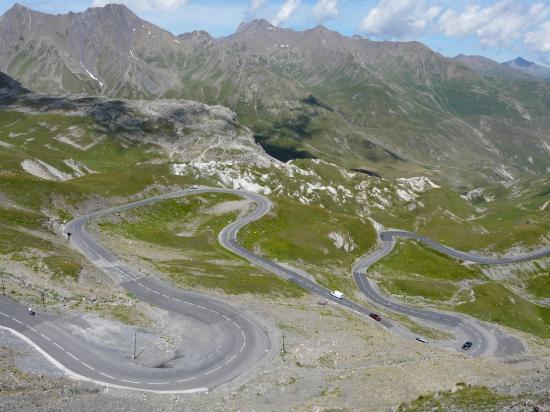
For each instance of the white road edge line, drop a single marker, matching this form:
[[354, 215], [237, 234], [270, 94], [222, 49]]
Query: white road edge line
[[77, 376], [213, 370], [72, 356], [186, 380], [127, 381], [88, 366]]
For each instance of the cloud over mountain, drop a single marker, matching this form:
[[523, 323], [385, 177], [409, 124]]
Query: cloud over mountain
[[399, 18], [501, 23], [285, 12], [325, 9]]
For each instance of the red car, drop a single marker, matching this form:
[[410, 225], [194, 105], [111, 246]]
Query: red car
[[375, 316]]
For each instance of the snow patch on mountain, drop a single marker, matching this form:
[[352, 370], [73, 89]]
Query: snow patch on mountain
[[91, 75]]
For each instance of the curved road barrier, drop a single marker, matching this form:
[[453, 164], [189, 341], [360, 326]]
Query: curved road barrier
[[243, 342]]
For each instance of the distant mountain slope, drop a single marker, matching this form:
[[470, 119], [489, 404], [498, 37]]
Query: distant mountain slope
[[488, 67], [529, 67], [395, 108]]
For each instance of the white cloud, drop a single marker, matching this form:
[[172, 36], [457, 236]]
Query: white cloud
[[539, 11], [286, 11], [325, 9], [497, 24], [145, 5], [254, 6], [539, 39], [399, 18]]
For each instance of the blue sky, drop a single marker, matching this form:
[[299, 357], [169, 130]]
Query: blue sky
[[499, 29]]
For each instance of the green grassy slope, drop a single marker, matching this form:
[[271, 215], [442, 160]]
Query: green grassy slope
[[415, 270], [299, 235], [188, 229]]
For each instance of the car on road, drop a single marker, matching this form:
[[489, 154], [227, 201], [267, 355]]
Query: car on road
[[337, 294], [31, 311], [375, 316], [194, 187], [467, 345], [423, 340]]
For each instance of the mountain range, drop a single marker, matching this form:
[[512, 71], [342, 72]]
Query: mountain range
[[395, 108], [528, 67], [517, 69]]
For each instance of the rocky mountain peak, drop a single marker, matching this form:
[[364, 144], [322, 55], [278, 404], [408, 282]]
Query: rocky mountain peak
[[196, 36], [531, 68], [116, 14], [320, 29], [248, 26], [520, 61], [19, 13], [18, 8]]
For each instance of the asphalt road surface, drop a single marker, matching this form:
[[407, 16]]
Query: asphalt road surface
[[486, 339], [245, 342]]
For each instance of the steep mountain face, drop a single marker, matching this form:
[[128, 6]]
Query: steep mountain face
[[393, 107], [528, 67], [102, 50]]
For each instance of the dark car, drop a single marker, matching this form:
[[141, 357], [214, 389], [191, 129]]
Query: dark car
[[467, 345], [375, 316]]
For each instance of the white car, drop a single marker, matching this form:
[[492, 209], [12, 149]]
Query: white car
[[337, 294], [194, 187]]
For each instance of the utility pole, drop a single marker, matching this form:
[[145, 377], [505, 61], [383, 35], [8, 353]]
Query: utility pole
[[284, 350], [43, 300], [134, 356]]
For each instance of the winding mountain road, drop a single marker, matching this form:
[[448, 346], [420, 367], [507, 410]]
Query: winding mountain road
[[243, 342]]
